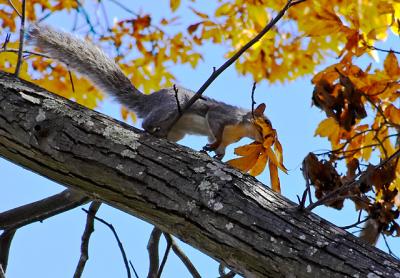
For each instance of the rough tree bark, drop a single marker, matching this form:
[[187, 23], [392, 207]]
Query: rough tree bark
[[228, 215]]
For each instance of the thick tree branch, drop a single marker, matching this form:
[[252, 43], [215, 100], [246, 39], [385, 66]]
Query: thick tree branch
[[41, 210], [218, 210]]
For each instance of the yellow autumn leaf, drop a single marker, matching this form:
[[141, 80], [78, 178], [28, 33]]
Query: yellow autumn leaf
[[174, 4], [257, 14], [368, 140], [329, 128]]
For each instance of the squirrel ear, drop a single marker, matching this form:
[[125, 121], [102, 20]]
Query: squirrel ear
[[259, 111]]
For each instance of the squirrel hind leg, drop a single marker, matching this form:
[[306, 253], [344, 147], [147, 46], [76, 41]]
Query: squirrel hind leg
[[175, 136]]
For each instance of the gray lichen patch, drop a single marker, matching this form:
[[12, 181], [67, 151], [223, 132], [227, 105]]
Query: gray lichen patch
[[128, 153], [41, 116], [30, 98], [120, 135]]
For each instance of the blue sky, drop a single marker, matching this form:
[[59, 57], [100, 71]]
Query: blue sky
[[52, 248]]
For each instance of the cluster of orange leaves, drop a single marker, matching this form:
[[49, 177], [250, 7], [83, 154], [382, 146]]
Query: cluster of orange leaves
[[256, 155], [344, 91]]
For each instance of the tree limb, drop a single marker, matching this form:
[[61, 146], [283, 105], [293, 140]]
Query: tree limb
[[41, 210], [5, 243], [207, 204], [152, 248], [181, 255]]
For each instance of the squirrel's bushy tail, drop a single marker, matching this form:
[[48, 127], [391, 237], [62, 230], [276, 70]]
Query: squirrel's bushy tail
[[87, 59]]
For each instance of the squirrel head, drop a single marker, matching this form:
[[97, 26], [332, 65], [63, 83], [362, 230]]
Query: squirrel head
[[259, 117]]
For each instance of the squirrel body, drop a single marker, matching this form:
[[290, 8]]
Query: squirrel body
[[222, 123]]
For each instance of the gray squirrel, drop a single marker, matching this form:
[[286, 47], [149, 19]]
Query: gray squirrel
[[222, 123]]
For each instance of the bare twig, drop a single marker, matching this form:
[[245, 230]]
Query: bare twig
[[222, 274], [389, 249], [125, 8], [5, 244], [2, 274], [121, 247], [71, 80], [86, 16], [21, 40], [253, 102], [25, 52], [229, 62], [105, 15], [89, 229], [14, 8], [42, 209], [6, 41], [165, 257], [152, 248], [177, 99], [181, 255], [382, 50], [355, 224], [133, 268]]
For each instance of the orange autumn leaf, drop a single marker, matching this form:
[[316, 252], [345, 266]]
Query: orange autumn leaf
[[245, 163], [273, 174], [259, 166], [248, 149], [256, 155], [391, 65]]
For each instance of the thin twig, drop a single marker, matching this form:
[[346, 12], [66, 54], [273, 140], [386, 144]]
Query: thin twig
[[253, 102], [6, 41], [177, 99], [165, 257], [86, 17], [389, 249], [222, 274], [133, 268], [229, 62], [181, 255], [25, 52], [152, 248], [354, 224], [89, 229], [14, 8], [120, 245], [124, 7], [71, 80], [382, 50], [5, 243], [2, 274], [105, 15], [21, 40]]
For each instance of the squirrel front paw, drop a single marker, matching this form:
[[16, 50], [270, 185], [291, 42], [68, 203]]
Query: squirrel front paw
[[208, 148]]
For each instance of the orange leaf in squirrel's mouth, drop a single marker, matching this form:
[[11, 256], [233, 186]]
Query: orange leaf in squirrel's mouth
[[255, 156]]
